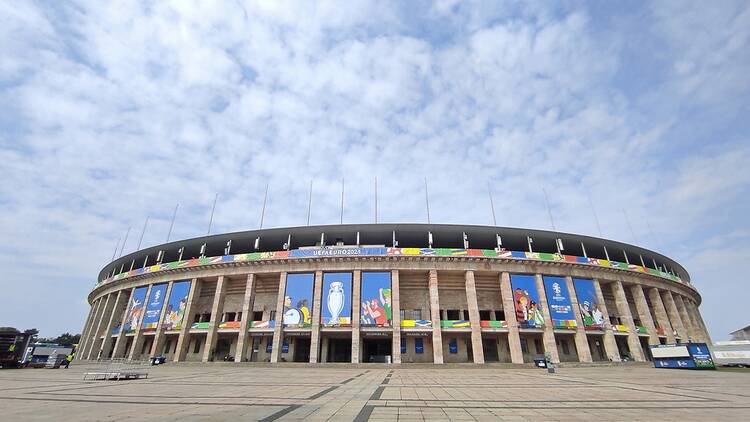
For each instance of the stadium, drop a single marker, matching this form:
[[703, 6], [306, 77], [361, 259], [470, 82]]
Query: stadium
[[391, 293]]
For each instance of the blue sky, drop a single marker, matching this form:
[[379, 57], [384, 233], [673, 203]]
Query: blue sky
[[112, 112]]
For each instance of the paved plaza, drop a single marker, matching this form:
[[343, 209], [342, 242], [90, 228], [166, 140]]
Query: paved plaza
[[237, 392]]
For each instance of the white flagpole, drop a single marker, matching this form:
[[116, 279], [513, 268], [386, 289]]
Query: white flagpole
[[174, 214], [549, 210], [122, 248], [263, 210], [627, 220], [309, 202], [596, 217], [427, 200], [492, 204], [341, 220], [117, 246], [142, 233], [211, 219]]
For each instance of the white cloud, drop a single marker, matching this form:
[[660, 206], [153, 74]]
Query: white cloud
[[115, 112]]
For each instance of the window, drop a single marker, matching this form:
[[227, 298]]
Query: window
[[466, 315], [453, 314], [402, 313], [524, 346], [229, 316], [238, 317], [566, 350], [637, 321], [484, 315], [205, 317], [403, 345], [453, 346], [166, 345], [197, 348], [614, 320], [500, 315], [258, 316], [197, 318], [419, 345], [417, 314]]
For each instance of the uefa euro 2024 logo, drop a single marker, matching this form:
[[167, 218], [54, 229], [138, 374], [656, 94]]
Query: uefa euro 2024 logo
[[556, 288]]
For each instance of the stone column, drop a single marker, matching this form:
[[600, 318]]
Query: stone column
[[356, 283], [120, 342], [693, 334], [247, 310], [582, 343], [183, 341], [693, 308], [621, 301], [395, 317], [674, 315], [87, 339], [610, 346], [84, 331], [509, 308], [315, 329], [159, 335], [279, 324], [548, 337], [644, 314], [138, 337], [217, 308], [107, 343], [661, 313], [104, 316], [476, 329], [437, 337]]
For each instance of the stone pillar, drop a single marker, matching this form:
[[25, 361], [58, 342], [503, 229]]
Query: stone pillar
[[610, 346], [395, 317], [247, 309], [582, 343], [84, 331], [644, 314], [693, 308], [104, 316], [315, 329], [693, 334], [279, 324], [87, 339], [548, 337], [437, 337], [621, 301], [138, 337], [509, 308], [356, 283], [661, 314], [107, 343], [476, 329], [159, 335], [674, 315], [217, 308], [120, 342], [183, 341]]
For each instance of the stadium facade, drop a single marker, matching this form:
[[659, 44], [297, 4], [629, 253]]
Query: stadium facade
[[394, 293]]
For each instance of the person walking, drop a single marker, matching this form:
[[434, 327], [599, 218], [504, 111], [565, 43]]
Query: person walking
[[68, 359]]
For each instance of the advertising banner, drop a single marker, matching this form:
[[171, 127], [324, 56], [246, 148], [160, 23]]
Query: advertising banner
[[376, 299], [135, 309], [176, 305], [526, 301], [153, 308], [591, 313], [558, 302], [701, 355], [298, 300], [337, 299]]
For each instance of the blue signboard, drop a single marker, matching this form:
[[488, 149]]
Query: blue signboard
[[453, 346], [701, 355], [153, 308], [135, 309], [526, 301], [298, 300], [176, 305], [349, 251], [337, 299], [285, 346], [558, 302], [269, 345], [589, 306], [678, 363], [419, 345]]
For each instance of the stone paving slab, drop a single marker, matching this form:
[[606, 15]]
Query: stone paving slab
[[378, 392]]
